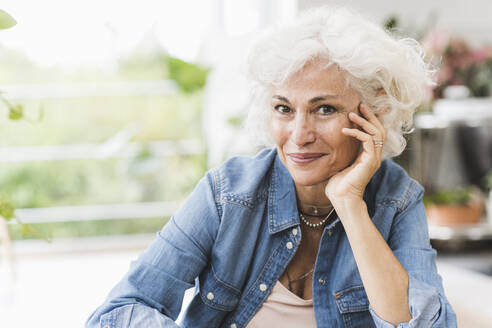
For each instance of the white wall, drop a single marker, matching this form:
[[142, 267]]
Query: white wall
[[471, 19]]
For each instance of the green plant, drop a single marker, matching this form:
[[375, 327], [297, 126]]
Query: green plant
[[76, 229], [80, 120], [460, 63], [6, 209], [391, 23], [188, 77], [488, 180], [26, 230], [6, 21], [15, 111], [460, 196], [236, 121]]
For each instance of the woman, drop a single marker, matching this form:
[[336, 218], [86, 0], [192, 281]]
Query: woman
[[317, 231]]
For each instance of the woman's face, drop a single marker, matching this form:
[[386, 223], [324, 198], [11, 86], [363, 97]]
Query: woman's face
[[309, 111]]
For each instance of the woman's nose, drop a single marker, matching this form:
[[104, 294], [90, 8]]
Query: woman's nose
[[303, 131]]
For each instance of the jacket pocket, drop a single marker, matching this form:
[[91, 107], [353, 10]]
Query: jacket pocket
[[216, 293], [353, 306]]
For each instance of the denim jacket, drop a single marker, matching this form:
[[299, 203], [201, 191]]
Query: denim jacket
[[236, 233]]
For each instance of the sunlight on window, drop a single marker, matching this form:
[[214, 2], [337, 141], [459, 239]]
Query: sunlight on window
[[71, 33], [241, 16]]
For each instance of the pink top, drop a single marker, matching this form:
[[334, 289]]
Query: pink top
[[284, 309]]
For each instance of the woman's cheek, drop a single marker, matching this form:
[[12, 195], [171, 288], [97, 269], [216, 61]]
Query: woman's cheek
[[348, 148], [275, 130]]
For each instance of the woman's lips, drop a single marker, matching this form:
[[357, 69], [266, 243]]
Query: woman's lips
[[304, 158]]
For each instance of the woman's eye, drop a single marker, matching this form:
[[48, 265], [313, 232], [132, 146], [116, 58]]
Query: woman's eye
[[326, 109], [282, 109]]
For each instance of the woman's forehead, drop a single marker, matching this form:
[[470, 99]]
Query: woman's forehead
[[314, 79]]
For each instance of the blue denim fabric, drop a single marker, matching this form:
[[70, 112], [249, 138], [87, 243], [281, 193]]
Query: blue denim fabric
[[240, 228]]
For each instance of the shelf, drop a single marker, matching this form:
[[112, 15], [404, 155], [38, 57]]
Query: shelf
[[472, 232]]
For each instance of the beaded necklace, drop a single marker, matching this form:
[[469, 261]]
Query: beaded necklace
[[314, 225]]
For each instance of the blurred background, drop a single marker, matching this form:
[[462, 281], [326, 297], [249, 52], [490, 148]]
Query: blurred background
[[111, 111]]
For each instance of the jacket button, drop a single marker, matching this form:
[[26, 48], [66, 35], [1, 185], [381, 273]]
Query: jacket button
[[233, 325], [210, 296], [294, 231], [289, 245], [321, 281], [263, 287]]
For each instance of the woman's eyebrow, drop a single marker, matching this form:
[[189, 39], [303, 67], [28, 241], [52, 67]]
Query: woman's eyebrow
[[281, 98], [311, 101], [322, 98]]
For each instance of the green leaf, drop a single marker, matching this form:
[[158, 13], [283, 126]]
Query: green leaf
[[488, 180], [29, 231], [6, 209], [235, 121], [6, 21], [189, 77], [460, 196], [391, 23], [16, 112]]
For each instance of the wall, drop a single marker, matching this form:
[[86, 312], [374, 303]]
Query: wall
[[467, 18]]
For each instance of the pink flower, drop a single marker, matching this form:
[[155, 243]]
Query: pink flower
[[436, 42], [458, 54], [459, 63], [482, 54]]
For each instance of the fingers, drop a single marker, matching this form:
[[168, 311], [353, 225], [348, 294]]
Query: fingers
[[369, 122], [368, 126], [374, 121], [372, 133], [360, 135], [367, 141]]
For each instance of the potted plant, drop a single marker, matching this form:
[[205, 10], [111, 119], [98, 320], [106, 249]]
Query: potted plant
[[15, 113], [454, 207], [6, 208], [459, 63]]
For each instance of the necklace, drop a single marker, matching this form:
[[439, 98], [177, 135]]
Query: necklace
[[315, 225], [297, 279], [315, 207]]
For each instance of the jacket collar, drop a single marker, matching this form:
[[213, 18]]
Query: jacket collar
[[282, 202]]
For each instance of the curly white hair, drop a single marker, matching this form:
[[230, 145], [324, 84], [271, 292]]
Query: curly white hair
[[389, 73]]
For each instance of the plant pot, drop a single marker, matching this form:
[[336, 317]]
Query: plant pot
[[489, 208], [454, 214]]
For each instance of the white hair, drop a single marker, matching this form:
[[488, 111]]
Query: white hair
[[372, 59]]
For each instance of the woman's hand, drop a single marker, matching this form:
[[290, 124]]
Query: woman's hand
[[350, 183]]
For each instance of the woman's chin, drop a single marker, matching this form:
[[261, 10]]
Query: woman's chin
[[306, 180]]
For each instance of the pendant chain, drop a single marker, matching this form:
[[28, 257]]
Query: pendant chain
[[315, 225], [297, 279]]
